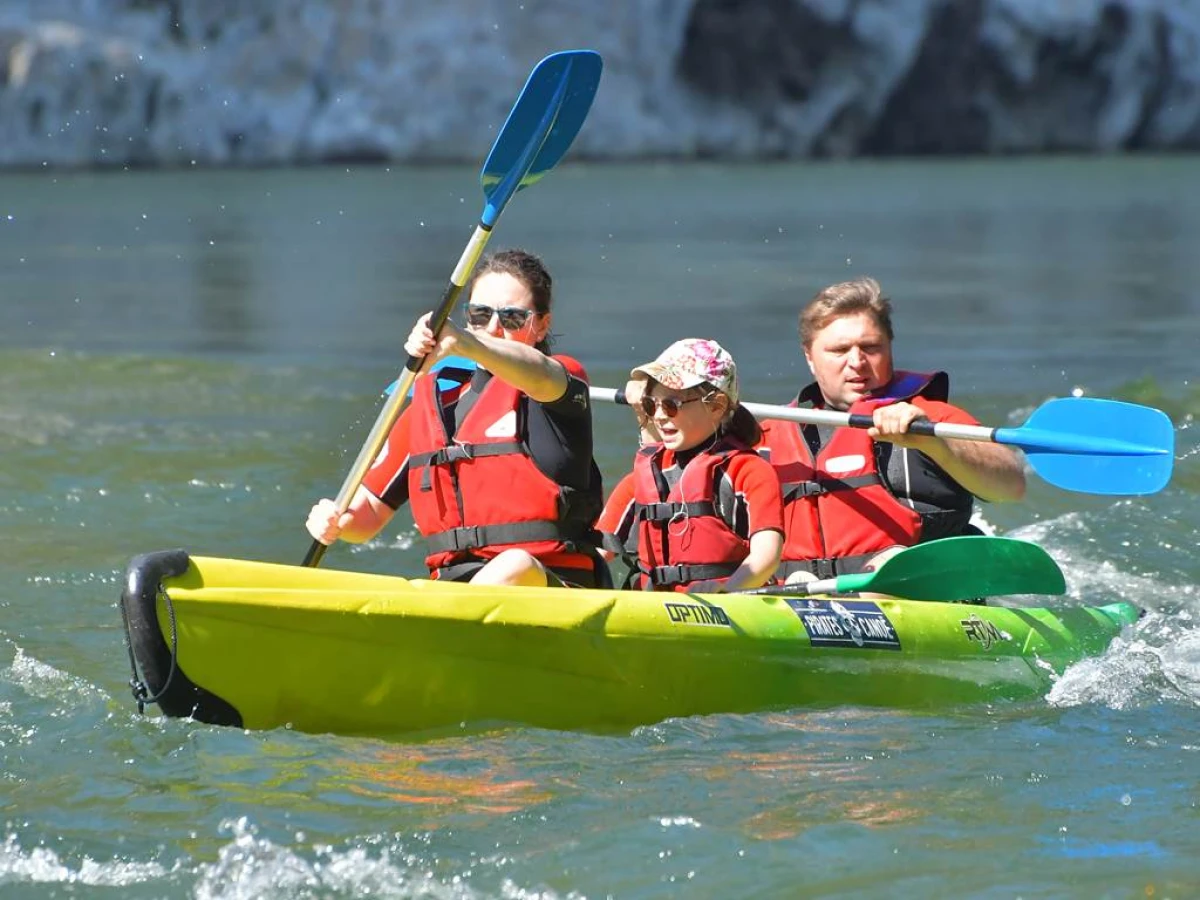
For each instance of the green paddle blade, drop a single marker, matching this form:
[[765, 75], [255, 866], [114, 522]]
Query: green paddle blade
[[960, 568]]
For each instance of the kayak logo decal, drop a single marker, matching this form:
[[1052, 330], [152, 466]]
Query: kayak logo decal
[[846, 623], [696, 614], [985, 633]]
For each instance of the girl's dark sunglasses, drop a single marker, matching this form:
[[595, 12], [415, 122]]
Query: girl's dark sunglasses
[[670, 406], [511, 317]]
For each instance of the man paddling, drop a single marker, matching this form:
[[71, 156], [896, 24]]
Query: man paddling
[[851, 496]]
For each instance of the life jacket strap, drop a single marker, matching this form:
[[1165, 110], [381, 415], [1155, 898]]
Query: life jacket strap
[[613, 544], [445, 456], [668, 576], [824, 568], [665, 512], [457, 540], [794, 490]]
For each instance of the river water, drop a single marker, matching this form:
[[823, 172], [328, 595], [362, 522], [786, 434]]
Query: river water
[[191, 358]]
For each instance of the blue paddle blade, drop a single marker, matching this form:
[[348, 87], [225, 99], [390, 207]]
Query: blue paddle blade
[[1097, 446], [541, 126]]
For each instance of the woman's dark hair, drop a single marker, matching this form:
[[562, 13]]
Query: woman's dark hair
[[527, 269]]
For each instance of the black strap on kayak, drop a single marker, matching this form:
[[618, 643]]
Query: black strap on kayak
[[141, 693]]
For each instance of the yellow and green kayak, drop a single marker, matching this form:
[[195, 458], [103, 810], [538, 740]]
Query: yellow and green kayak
[[260, 645]]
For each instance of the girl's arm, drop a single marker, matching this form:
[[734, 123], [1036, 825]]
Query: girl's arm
[[766, 547]]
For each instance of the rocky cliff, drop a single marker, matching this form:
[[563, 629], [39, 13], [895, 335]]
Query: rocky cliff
[[251, 82]]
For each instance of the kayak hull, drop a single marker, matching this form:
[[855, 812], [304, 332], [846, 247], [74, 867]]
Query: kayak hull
[[259, 645]]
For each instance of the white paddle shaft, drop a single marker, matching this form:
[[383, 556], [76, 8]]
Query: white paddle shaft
[[830, 417]]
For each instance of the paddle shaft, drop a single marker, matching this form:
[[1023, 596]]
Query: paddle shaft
[[1031, 439], [387, 417], [843, 584], [539, 129], [831, 417]]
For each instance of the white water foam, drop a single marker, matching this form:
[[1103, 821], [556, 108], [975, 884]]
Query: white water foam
[[1135, 672], [251, 867], [1156, 660], [41, 865], [1093, 580]]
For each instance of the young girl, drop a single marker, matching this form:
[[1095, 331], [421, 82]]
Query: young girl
[[704, 507]]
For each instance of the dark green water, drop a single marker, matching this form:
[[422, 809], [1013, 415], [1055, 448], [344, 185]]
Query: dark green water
[[190, 359]]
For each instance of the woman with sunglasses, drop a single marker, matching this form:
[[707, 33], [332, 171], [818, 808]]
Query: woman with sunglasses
[[704, 507], [497, 467]]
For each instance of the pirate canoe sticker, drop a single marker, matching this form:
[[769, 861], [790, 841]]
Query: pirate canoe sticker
[[858, 624]]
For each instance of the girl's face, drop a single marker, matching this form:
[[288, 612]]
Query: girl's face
[[696, 416]]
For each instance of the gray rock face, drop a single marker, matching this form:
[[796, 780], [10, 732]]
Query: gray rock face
[[253, 82]]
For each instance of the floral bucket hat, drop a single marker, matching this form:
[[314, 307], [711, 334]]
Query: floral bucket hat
[[691, 362]]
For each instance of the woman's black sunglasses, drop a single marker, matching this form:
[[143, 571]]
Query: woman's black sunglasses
[[669, 405], [511, 317]]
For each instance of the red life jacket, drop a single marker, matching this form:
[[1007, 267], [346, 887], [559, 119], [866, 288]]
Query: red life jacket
[[838, 511], [479, 492], [682, 537]]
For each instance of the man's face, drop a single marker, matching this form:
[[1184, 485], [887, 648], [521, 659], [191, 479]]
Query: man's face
[[850, 358]]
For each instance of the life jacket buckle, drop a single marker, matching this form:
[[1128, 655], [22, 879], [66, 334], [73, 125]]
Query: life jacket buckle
[[667, 576], [824, 568], [797, 490], [467, 537]]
